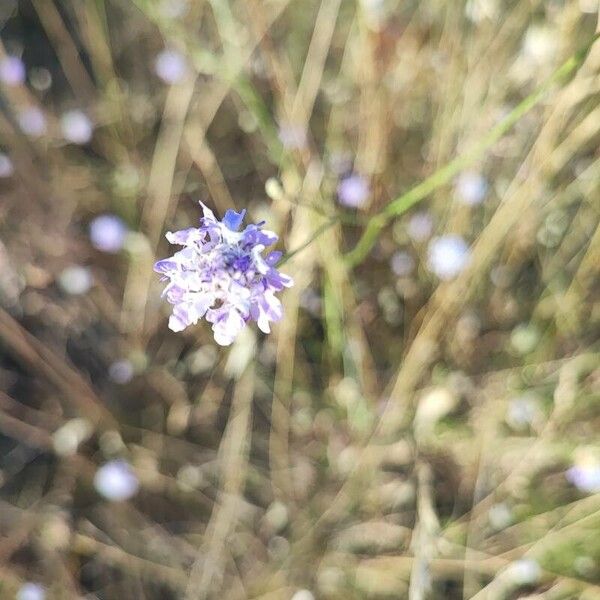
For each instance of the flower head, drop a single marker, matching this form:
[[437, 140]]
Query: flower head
[[221, 275], [171, 66], [108, 233], [447, 256], [31, 591], [12, 70], [353, 191], [116, 481], [76, 127]]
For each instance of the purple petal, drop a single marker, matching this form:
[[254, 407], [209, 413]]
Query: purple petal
[[233, 220]]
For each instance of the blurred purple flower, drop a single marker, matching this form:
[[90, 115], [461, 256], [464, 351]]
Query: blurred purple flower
[[585, 476], [171, 66], [121, 371], [447, 256], [420, 226], [293, 137], [31, 591], [6, 166], [221, 275], [353, 190], [402, 263], [471, 188], [76, 127], [116, 481], [107, 233], [12, 70], [32, 121]]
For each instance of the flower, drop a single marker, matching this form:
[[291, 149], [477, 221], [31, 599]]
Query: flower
[[353, 191], [116, 481], [6, 166], [420, 226], [12, 70], [31, 591], [76, 127], [221, 275], [471, 188], [75, 280], [447, 256], [402, 263], [32, 121], [107, 233], [293, 137], [585, 476], [171, 66]]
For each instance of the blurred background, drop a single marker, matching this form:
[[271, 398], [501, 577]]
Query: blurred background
[[425, 420]]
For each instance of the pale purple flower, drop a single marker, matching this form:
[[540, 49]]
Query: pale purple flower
[[447, 256], [293, 137], [402, 263], [32, 121], [585, 476], [222, 276], [420, 226], [121, 371], [12, 70], [171, 66], [31, 591], [353, 191], [471, 188], [76, 127], [107, 233], [6, 166], [116, 481]]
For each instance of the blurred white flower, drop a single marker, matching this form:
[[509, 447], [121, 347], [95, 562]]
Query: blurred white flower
[[6, 166], [500, 516], [402, 263], [447, 256], [540, 44], [116, 481], [585, 473], [107, 233], [32, 121], [522, 412], [12, 70], [524, 572], [31, 591], [303, 595], [420, 226], [121, 371], [171, 66], [353, 191], [293, 137], [471, 188], [75, 280], [76, 127]]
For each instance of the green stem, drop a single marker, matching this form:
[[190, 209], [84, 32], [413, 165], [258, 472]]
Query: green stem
[[407, 200]]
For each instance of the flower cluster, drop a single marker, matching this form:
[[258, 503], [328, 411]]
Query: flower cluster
[[220, 274]]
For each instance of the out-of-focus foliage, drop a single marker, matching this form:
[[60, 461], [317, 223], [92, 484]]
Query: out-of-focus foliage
[[424, 422]]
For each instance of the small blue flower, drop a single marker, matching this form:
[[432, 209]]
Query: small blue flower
[[221, 275]]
